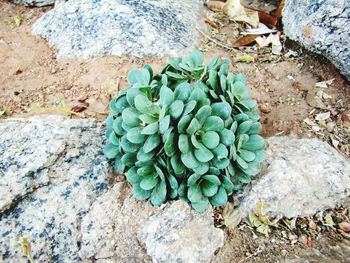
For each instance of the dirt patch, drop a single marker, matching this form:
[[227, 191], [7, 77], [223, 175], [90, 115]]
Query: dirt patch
[[32, 81]]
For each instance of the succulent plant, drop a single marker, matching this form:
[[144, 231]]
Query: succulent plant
[[190, 132]]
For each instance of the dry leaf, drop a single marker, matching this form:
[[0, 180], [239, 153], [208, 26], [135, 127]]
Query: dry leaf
[[345, 226], [261, 30], [232, 217], [265, 18], [216, 6], [261, 213], [274, 40], [246, 40], [328, 219], [278, 12], [211, 23], [26, 248], [324, 84], [245, 58], [312, 224], [322, 116], [237, 12], [80, 107]]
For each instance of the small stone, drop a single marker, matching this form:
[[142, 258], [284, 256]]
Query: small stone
[[265, 108], [330, 126]]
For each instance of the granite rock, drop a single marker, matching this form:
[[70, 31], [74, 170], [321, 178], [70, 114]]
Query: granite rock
[[32, 3], [51, 170], [180, 234], [88, 28], [302, 177], [321, 26]]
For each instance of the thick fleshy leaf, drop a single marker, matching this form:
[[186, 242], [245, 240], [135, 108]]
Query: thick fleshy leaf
[[209, 189], [220, 151], [241, 163], [183, 91], [220, 198], [220, 163], [184, 143], [166, 96], [134, 135], [244, 127], [212, 179], [164, 124], [118, 165], [117, 126], [203, 155], [202, 168], [227, 137], [201, 205], [128, 146], [172, 181], [221, 109], [113, 139], [150, 129], [212, 80], [183, 123], [203, 113], [169, 146], [227, 184], [243, 178], [131, 117], [145, 170], [117, 105], [189, 160], [144, 157], [210, 139], [213, 63], [158, 195], [176, 109], [140, 76], [193, 126], [167, 133], [214, 170], [177, 165], [198, 95], [139, 193], [132, 176], [213, 123], [160, 172], [151, 143], [195, 142], [129, 159], [111, 151], [194, 193], [149, 182], [246, 155], [189, 107], [223, 83], [255, 142], [192, 180], [255, 128], [239, 90], [131, 95], [144, 105], [242, 139]]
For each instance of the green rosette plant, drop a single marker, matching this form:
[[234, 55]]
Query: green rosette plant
[[190, 132]]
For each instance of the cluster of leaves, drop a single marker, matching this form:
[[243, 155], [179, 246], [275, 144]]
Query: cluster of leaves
[[190, 132]]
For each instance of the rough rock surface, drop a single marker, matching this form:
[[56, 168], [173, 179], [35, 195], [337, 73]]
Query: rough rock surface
[[303, 176], [51, 170], [88, 28], [179, 234], [321, 26], [37, 3]]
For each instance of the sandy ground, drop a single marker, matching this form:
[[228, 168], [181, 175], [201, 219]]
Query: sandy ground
[[32, 81]]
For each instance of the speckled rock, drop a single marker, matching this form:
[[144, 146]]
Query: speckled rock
[[303, 176], [51, 170], [87, 28], [321, 26], [180, 234], [120, 229], [32, 3]]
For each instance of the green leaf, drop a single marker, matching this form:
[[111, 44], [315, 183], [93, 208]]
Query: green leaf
[[201, 205], [118, 165], [189, 160], [213, 63], [212, 80], [195, 142], [148, 119], [117, 105], [132, 176], [145, 170], [241, 163], [220, 163], [129, 159], [131, 117], [255, 142], [223, 83], [128, 146], [159, 172], [201, 169], [183, 91], [246, 155], [220, 151], [139, 193], [203, 155], [203, 113], [144, 157], [242, 139], [183, 123], [140, 76], [189, 107], [197, 57], [149, 182], [209, 189], [151, 143], [131, 94], [167, 134], [172, 181], [194, 193], [169, 146], [227, 184], [221, 109], [166, 96], [144, 105], [244, 127], [194, 126], [112, 138], [117, 126], [227, 137], [111, 151], [220, 198], [213, 123], [134, 135], [212, 179], [164, 124], [255, 128], [150, 129], [210, 139], [192, 180], [177, 165], [176, 108], [184, 143], [239, 90], [198, 95], [159, 194]]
